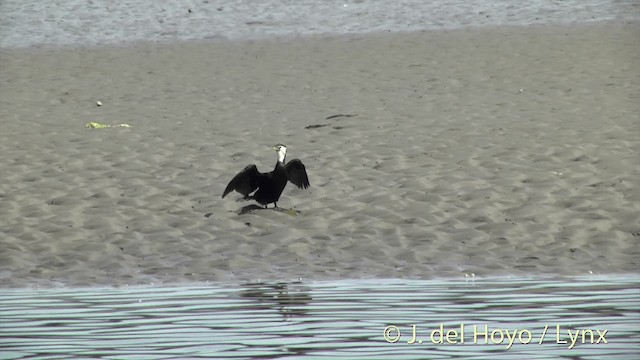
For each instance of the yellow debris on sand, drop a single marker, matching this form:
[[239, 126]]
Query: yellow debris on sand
[[97, 125]]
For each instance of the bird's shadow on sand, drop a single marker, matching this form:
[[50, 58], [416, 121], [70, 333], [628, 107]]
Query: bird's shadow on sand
[[253, 207]]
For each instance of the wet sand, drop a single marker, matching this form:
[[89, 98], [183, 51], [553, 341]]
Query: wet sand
[[505, 151]]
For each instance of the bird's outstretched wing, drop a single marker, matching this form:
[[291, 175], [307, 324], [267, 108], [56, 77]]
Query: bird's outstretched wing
[[297, 174], [245, 182]]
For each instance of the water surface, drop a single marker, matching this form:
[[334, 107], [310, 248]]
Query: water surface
[[25, 23], [322, 320]]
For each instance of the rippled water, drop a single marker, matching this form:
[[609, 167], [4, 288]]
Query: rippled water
[[26, 23], [342, 319]]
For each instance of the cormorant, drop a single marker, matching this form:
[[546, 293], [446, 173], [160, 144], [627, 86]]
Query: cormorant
[[270, 185]]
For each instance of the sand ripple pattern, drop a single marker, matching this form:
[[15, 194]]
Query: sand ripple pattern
[[501, 151]]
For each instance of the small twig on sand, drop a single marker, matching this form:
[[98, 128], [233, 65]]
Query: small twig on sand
[[341, 115]]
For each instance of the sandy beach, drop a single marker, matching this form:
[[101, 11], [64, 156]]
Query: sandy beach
[[500, 151]]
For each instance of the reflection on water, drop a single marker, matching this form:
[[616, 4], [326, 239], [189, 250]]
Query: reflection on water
[[340, 319]]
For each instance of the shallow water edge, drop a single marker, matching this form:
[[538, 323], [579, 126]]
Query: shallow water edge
[[476, 318]]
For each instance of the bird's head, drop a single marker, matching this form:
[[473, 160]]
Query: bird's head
[[281, 150]]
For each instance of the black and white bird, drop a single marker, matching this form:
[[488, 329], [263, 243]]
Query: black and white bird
[[269, 185]]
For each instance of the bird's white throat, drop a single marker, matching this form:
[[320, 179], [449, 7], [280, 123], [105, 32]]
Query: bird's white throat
[[282, 153]]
